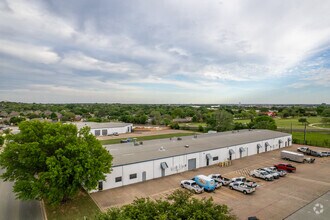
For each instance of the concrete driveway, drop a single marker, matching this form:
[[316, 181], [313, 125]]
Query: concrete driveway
[[14, 209], [272, 200]]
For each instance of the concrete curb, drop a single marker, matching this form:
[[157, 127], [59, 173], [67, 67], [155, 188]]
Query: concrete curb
[[43, 210], [101, 209]]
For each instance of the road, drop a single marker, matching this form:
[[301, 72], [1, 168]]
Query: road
[[14, 209]]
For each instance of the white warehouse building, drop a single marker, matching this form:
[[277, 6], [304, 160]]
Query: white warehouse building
[[135, 163], [105, 129]]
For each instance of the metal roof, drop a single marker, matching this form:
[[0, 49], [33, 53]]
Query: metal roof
[[95, 125], [127, 153]]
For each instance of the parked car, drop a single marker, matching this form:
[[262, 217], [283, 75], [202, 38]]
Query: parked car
[[242, 187], [326, 153], [115, 133], [206, 182], [262, 175], [285, 166], [244, 180], [191, 186], [271, 172], [218, 178], [280, 172], [316, 153]]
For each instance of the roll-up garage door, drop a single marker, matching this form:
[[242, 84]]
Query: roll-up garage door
[[192, 164]]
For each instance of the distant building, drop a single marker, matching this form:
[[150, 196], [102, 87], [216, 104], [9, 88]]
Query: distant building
[[105, 129]]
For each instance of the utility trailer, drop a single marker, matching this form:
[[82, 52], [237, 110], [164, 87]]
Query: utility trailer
[[296, 157]]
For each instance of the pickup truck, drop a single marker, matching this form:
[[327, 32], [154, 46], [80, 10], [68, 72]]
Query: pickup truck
[[285, 166], [280, 172], [308, 151], [271, 172], [303, 149], [242, 187], [220, 179], [244, 180], [191, 186], [262, 175]]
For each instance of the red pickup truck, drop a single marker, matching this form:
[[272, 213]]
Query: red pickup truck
[[286, 167]]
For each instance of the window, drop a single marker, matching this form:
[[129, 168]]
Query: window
[[215, 158], [118, 179], [133, 176]]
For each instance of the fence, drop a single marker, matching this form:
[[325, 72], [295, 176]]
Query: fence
[[323, 143]]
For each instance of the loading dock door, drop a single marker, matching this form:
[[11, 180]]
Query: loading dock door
[[192, 164], [144, 176], [266, 146], [104, 132], [163, 166], [258, 148], [208, 159], [279, 143]]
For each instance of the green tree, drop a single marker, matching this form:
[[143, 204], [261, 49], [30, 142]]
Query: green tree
[[326, 112], [16, 120], [200, 128], [263, 122], [221, 121], [325, 120], [2, 141], [302, 120], [179, 205], [53, 161]]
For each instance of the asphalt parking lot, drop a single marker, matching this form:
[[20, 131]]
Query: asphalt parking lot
[[272, 200]]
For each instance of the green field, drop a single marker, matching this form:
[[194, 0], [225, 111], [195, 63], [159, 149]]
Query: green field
[[243, 121], [312, 138], [286, 123], [146, 138], [81, 207]]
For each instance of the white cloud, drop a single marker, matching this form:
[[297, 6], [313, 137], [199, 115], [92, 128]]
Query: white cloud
[[39, 54], [191, 45], [82, 62]]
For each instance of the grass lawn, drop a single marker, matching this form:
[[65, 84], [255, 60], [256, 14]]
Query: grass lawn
[[145, 138], [243, 121], [78, 208], [323, 125], [312, 138], [193, 124], [286, 123]]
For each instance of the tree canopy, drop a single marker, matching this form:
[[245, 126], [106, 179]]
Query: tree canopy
[[53, 161], [263, 122], [179, 205], [221, 121]]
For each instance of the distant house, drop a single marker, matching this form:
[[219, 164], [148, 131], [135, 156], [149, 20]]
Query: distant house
[[183, 120]]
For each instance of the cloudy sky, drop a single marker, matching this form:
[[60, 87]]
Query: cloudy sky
[[165, 51]]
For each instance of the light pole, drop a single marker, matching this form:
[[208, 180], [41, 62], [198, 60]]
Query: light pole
[[305, 134]]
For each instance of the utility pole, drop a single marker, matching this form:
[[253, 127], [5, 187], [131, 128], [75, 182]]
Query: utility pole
[[305, 134], [291, 127]]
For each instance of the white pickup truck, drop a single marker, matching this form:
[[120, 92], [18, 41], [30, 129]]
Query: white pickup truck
[[191, 186], [280, 172], [262, 175], [242, 187], [271, 172], [244, 180], [220, 179]]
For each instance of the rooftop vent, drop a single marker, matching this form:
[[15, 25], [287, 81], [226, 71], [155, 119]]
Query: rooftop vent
[[161, 148]]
